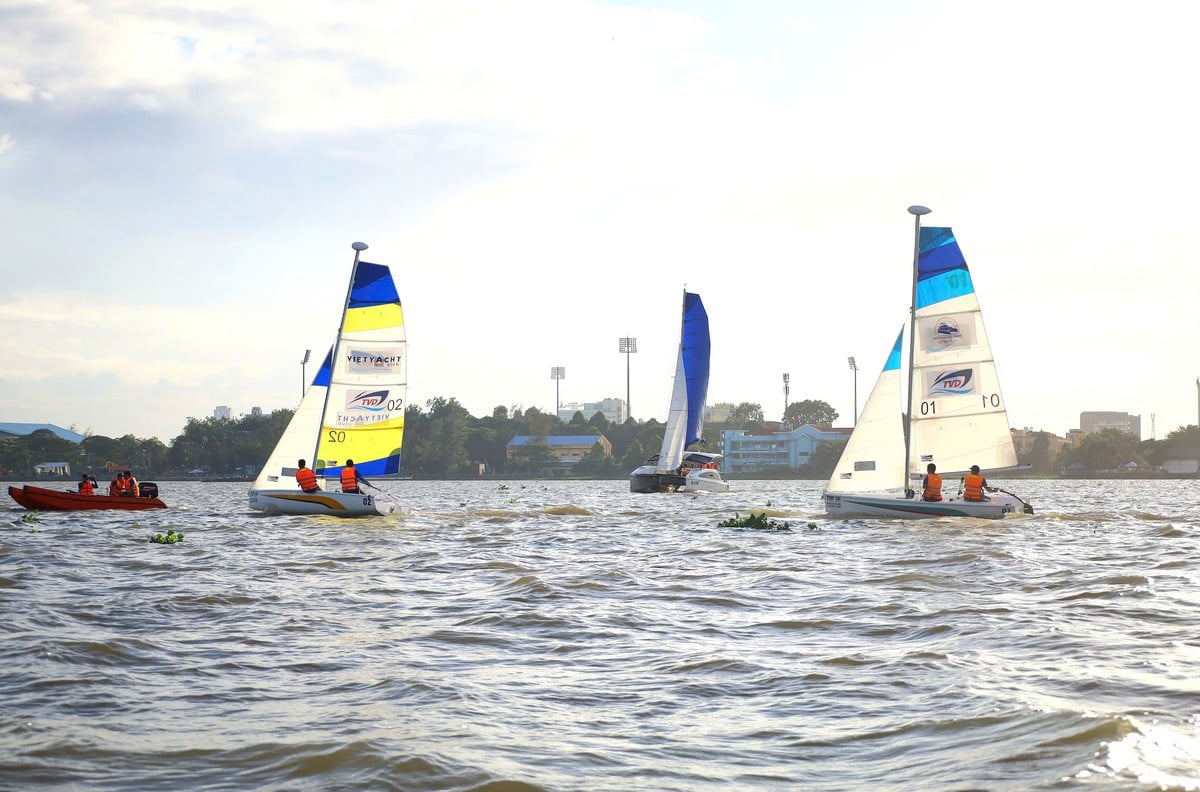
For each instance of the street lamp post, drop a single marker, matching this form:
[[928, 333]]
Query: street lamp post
[[557, 373], [628, 347], [854, 368], [303, 378]]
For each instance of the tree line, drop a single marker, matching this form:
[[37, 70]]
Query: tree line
[[444, 441]]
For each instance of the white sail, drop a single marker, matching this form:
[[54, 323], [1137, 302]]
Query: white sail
[[670, 455], [298, 439], [874, 455]]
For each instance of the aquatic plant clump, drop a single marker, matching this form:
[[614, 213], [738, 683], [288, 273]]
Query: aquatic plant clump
[[758, 522], [170, 537]]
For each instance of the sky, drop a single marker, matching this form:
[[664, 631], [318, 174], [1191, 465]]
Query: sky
[[183, 181]]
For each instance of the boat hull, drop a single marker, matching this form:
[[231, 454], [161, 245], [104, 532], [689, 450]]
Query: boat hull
[[884, 504], [647, 479], [334, 504], [42, 499]]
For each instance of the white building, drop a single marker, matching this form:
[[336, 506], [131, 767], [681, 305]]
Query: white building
[[613, 410], [222, 412]]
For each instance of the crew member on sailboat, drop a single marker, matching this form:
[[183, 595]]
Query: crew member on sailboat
[[351, 477], [306, 478]]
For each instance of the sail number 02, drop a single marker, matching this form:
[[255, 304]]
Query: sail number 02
[[989, 400]]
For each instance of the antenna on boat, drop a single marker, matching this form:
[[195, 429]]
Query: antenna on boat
[[917, 211]]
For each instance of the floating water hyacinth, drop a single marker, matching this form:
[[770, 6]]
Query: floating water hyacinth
[[170, 537], [758, 522]]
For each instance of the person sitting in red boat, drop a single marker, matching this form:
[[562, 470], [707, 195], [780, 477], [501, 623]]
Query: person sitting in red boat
[[130, 486], [116, 485], [87, 485]]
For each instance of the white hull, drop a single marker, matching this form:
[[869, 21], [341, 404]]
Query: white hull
[[890, 504], [650, 479], [705, 480], [335, 504]]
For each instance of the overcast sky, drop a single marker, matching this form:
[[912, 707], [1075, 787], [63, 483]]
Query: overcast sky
[[182, 182]]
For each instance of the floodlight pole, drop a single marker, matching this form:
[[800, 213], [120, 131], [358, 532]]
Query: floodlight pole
[[854, 368], [303, 377], [628, 347], [558, 374]]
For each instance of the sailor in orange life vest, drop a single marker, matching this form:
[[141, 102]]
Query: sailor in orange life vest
[[351, 477], [974, 484], [87, 486], [130, 487], [306, 479], [114, 486], [931, 484]]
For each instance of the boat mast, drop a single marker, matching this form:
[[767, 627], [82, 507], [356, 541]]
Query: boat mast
[[916, 211], [359, 247]]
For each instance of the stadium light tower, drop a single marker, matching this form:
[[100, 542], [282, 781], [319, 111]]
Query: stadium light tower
[[557, 373], [628, 347], [303, 378], [854, 368]]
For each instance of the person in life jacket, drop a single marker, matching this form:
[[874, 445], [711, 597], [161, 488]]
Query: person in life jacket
[[306, 479], [87, 486], [117, 484], [973, 485], [351, 477], [931, 484], [131, 487]]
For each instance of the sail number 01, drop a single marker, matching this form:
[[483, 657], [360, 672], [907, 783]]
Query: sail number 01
[[989, 400]]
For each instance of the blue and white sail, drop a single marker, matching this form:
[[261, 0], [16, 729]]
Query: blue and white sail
[[958, 415], [685, 416]]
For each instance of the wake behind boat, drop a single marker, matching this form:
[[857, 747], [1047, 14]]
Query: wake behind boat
[[955, 416], [674, 469], [354, 408], [42, 499]]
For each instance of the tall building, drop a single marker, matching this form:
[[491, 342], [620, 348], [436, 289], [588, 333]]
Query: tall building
[[222, 412], [1091, 422]]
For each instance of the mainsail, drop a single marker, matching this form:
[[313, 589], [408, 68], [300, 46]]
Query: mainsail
[[363, 417], [958, 417]]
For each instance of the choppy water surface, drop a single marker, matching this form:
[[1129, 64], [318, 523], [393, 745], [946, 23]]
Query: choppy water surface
[[572, 636]]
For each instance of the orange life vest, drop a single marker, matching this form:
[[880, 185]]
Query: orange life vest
[[349, 479], [973, 487], [933, 487], [131, 487], [307, 479], [114, 487], [86, 488]]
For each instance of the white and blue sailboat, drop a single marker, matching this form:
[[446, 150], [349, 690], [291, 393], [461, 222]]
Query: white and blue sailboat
[[955, 416], [674, 468]]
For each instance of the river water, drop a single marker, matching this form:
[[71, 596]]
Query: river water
[[573, 636]]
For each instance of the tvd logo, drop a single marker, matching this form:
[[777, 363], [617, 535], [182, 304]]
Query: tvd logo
[[953, 382], [368, 401]]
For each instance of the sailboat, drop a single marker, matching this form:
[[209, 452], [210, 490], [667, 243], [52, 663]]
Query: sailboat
[[353, 410], [955, 416], [673, 468]]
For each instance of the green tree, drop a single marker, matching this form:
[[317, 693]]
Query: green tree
[[825, 457], [810, 411], [746, 415], [635, 455]]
